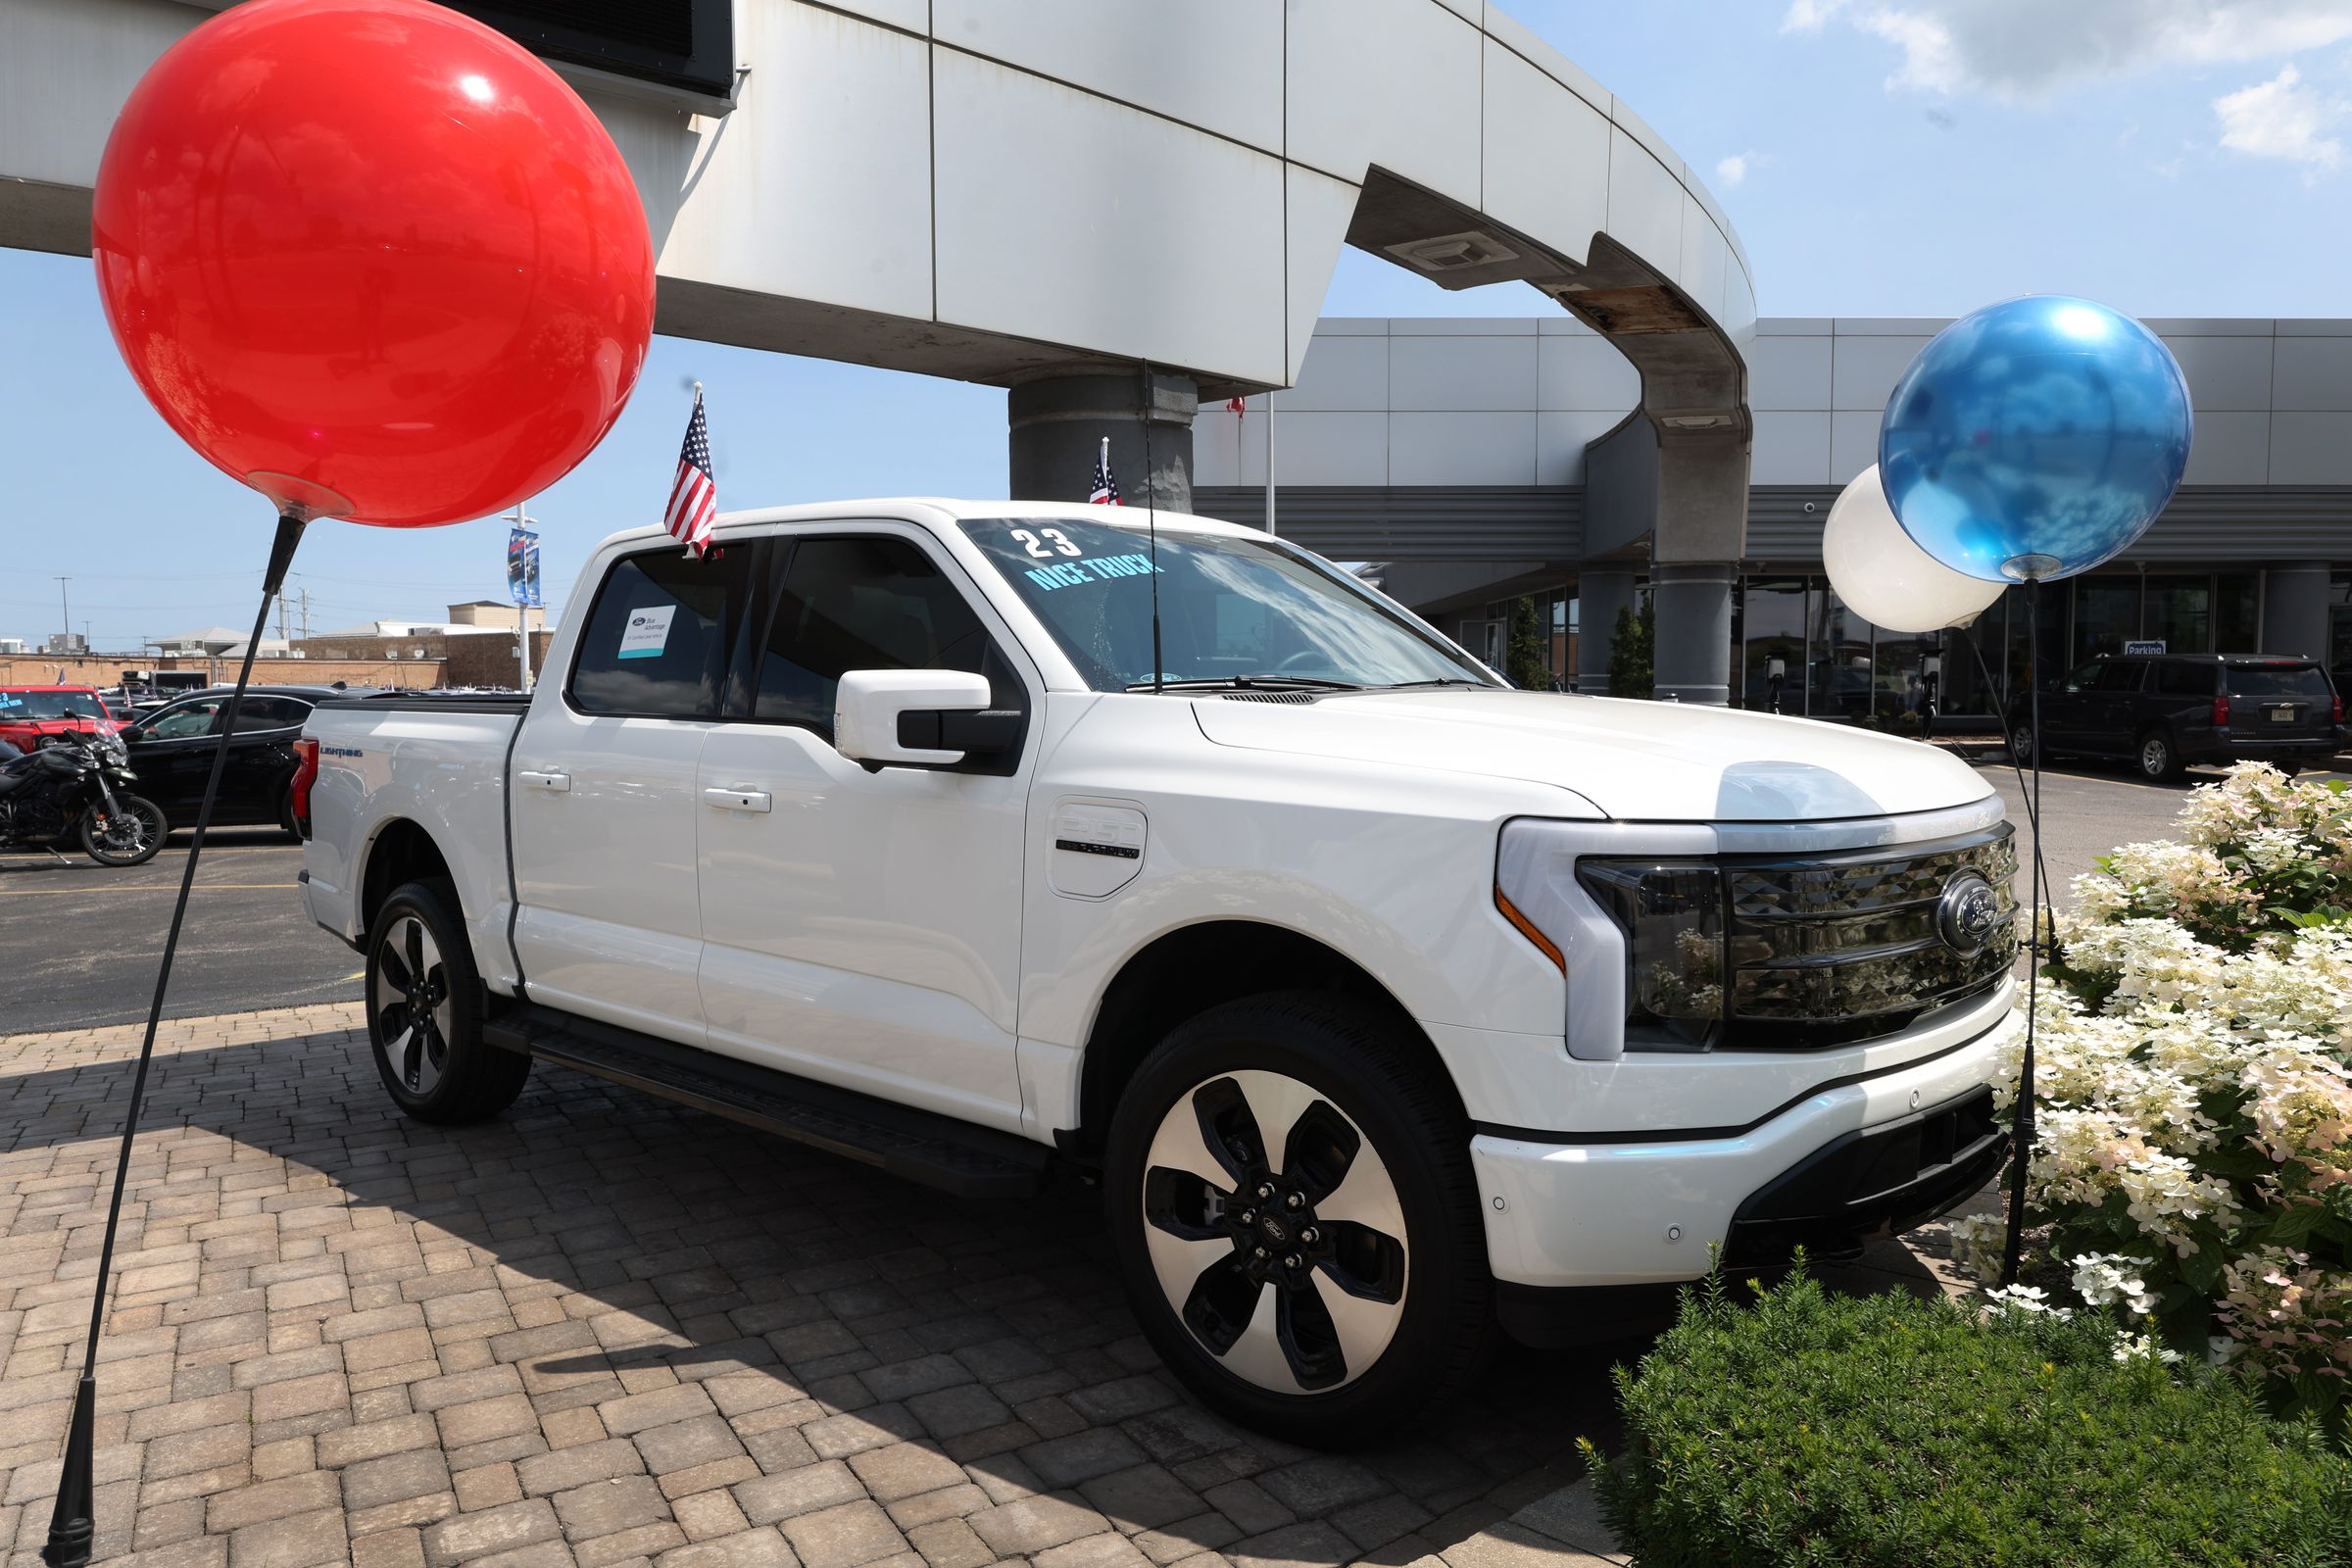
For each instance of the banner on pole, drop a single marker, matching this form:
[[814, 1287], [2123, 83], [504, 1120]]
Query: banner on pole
[[523, 568]]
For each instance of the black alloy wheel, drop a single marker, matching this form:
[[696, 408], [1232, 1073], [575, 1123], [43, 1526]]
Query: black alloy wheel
[[1290, 1193], [425, 1012]]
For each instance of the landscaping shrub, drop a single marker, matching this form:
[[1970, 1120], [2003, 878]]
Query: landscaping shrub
[[1632, 648], [1805, 1429], [2193, 1090]]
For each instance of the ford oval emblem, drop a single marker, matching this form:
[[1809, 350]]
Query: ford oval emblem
[[1967, 914]]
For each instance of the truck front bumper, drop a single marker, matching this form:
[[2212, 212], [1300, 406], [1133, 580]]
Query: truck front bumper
[[1848, 1163]]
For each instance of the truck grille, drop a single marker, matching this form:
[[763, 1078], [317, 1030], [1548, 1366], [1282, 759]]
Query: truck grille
[[1826, 949]]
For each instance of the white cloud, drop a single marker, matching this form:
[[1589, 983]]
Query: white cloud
[[1731, 170], [2281, 118], [2034, 49]]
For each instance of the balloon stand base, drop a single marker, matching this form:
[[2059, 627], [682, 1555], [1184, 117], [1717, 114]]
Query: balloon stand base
[[73, 1521]]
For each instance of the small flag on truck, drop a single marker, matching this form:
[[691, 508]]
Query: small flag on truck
[[1106, 491], [694, 496]]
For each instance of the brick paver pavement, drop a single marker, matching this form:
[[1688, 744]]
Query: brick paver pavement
[[605, 1331]]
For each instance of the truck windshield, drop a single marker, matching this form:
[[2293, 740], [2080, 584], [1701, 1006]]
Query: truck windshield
[[1231, 610], [50, 705]]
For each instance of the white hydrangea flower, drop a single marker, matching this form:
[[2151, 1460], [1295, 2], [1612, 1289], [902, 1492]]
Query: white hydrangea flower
[[2272, 849], [2102, 1280], [1978, 1242], [2142, 1347], [2023, 1299]]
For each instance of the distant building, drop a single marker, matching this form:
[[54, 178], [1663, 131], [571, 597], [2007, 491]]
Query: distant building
[[495, 613], [216, 642]]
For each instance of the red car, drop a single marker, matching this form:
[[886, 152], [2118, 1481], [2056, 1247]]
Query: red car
[[31, 716]]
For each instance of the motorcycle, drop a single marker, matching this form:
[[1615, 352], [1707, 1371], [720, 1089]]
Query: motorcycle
[[77, 789]]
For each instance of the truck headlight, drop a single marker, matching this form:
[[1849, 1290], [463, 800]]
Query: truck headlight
[[1671, 912]]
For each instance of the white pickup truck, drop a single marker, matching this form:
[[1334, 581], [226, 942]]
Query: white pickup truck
[[1388, 1003]]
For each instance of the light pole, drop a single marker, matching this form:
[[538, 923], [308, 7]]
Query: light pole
[[67, 624]]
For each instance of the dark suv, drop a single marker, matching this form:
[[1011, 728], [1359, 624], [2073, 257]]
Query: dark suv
[[2164, 711]]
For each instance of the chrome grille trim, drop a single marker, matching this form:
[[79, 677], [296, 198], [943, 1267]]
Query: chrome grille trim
[[1792, 990]]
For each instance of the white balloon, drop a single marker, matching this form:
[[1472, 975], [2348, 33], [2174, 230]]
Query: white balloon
[[1885, 578]]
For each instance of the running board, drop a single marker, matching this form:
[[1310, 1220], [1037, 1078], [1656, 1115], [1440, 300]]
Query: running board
[[918, 1145]]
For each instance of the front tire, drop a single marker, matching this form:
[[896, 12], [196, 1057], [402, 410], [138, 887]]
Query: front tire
[[1297, 1223], [130, 836], [425, 1012]]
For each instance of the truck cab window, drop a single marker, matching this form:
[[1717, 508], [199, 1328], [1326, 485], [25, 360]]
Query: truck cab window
[[655, 644], [866, 602]]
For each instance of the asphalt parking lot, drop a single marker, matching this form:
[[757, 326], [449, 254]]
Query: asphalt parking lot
[[79, 940]]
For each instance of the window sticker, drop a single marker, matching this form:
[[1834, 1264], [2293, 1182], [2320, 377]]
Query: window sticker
[[1091, 570], [646, 632]]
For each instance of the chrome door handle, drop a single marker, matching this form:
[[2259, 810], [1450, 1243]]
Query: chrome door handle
[[553, 783], [739, 799]]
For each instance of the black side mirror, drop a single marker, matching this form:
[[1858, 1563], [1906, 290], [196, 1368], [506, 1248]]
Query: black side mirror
[[985, 732]]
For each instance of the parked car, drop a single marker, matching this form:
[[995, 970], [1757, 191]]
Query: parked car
[[35, 717], [1387, 1004], [171, 753], [2166, 712]]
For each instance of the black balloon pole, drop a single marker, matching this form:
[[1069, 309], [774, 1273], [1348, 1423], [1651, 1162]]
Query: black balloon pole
[[71, 1522], [2021, 1133]]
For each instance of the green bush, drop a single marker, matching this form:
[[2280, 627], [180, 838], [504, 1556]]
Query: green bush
[[1632, 645], [1807, 1429], [1526, 658]]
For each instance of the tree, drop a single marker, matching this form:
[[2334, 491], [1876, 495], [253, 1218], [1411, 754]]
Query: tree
[[1522, 658], [1631, 644]]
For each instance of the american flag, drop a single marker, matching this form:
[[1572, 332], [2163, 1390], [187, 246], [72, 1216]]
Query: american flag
[[1106, 491], [694, 497]]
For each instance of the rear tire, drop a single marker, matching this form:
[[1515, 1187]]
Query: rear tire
[[425, 1012], [2020, 745], [2158, 762], [1327, 1292], [285, 812], [130, 837]]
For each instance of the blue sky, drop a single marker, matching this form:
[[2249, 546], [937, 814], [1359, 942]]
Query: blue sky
[[1879, 158]]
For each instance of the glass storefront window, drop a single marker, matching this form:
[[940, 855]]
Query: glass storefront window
[[1839, 684], [2178, 612], [1772, 669], [2237, 612], [2106, 614]]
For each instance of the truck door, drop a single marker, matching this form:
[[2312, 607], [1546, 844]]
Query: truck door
[[604, 796], [864, 928]]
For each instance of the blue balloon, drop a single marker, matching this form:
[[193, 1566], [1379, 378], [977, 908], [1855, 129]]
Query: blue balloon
[[2035, 438]]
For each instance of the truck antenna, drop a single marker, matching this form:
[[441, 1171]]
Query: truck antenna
[[1151, 529]]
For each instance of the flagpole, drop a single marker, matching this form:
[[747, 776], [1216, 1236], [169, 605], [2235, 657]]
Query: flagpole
[[1270, 460]]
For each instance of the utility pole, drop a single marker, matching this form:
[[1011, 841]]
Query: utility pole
[[68, 622], [305, 614]]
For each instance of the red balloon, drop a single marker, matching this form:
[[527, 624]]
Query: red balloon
[[372, 259]]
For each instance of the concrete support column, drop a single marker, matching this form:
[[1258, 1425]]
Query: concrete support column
[[1058, 421], [1600, 592], [2294, 610], [1694, 656]]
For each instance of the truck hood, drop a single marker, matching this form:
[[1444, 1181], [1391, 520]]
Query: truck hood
[[1636, 760]]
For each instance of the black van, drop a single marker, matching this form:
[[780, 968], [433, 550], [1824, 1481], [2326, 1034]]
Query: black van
[[2164, 711]]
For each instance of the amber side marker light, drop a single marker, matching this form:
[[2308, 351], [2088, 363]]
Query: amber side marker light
[[1527, 928]]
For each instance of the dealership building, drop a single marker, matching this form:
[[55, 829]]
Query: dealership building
[[1476, 462]]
